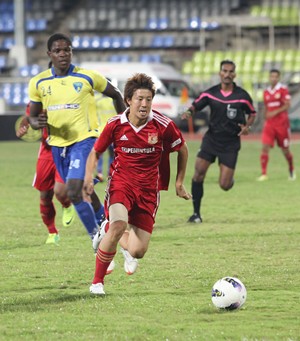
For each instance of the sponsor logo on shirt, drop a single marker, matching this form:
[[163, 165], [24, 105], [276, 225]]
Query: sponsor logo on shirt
[[231, 112], [152, 138], [78, 86], [138, 150], [63, 106]]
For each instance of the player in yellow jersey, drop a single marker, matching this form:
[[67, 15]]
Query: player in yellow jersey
[[105, 111], [66, 93]]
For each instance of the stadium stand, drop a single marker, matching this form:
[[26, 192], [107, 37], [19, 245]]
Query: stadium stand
[[193, 35]]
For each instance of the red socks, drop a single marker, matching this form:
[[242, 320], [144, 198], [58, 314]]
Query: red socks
[[264, 159], [48, 213], [103, 260]]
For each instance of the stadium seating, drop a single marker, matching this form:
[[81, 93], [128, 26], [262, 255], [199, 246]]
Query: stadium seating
[[8, 42], [156, 31], [252, 66], [280, 14]]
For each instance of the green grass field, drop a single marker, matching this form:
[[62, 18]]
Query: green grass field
[[251, 232]]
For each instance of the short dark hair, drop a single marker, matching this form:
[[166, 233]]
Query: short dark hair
[[227, 61], [275, 71], [138, 81], [55, 37]]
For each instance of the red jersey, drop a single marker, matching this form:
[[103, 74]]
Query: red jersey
[[274, 99], [138, 151], [45, 150]]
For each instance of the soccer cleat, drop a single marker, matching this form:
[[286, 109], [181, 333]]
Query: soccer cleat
[[99, 236], [111, 267], [97, 289], [53, 238], [195, 218], [263, 177], [130, 263], [292, 176], [68, 216]]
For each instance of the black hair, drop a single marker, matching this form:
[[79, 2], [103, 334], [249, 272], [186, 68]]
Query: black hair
[[55, 37], [275, 71], [138, 81], [227, 61]]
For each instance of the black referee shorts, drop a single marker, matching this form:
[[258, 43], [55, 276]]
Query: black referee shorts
[[226, 151]]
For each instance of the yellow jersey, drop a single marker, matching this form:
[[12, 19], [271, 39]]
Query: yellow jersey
[[70, 103], [105, 109]]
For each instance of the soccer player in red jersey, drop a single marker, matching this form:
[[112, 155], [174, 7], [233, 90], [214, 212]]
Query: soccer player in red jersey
[[231, 115], [48, 182], [277, 124], [140, 136]]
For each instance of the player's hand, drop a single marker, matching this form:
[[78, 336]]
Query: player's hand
[[182, 193], [22, 131], [43, 119], [22, 126], [186, 115], [244, 129], [270, 114], [88, 188]]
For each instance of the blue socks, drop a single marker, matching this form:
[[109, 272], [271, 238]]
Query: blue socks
[[86, 214], [99, 215]]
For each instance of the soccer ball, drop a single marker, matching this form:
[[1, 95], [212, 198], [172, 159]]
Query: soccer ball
[[228, 293]]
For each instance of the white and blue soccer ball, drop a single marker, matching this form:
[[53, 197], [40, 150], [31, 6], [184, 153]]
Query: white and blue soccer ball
[[228, 293]]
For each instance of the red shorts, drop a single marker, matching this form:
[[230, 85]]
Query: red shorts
[[46, 175], [141, 205], [279, 133]]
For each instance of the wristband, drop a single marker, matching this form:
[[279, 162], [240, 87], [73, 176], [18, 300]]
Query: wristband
[[189, 113]]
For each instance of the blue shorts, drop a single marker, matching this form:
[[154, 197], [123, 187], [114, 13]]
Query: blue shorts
[[70, 161]]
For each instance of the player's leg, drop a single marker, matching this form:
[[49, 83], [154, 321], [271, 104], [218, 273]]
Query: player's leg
[[108, 245], [201, 167], [71, 165], [264, 160], [98, 208], [226, 177], [83, 208], [227, 164], [48, 213], [44, 183], [134, 244], [268, 138], [60, 192], [290, 160], [283, 141]]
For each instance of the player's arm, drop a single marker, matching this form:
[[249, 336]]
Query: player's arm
[[102, 143], [277, 111], [88, 184], [286, 103], [182, 158], [245, 128], [188, 113], [38, 116], [115, 94], [200, 103]]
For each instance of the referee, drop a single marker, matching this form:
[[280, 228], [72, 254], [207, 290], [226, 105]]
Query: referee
[[231, 115]]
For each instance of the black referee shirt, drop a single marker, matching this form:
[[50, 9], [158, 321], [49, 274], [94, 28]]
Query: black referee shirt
[[226, 112]]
